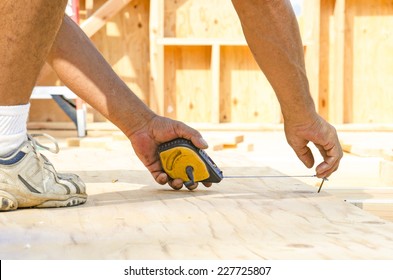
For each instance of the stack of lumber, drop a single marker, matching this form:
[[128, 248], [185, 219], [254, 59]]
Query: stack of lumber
[[219, 142]]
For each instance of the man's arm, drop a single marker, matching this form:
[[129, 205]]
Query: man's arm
[[272, 33], [82, 68]]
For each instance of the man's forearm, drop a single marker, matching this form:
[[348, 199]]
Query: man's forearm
[[273, 36], [82, 68]]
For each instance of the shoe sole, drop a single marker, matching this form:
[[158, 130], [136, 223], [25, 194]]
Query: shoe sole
[[10, 202], [7, 202]]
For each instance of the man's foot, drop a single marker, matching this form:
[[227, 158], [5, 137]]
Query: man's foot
[[28, 179]]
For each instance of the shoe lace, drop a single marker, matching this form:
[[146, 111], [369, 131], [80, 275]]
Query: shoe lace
[[37, 146]]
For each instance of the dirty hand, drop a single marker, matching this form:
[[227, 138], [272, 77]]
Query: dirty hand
[[155, 132], [324, 137]]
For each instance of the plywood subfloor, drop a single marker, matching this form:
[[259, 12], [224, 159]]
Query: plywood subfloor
[[129, 216]]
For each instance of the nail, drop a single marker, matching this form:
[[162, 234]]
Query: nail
[[323, 180]]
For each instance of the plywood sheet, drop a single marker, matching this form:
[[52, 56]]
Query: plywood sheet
[[246, 95], [369, 46], [188, 83], [128, 216], [201, 18], [124, 42]]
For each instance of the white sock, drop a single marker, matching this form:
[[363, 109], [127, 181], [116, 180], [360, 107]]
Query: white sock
[[13, 127]]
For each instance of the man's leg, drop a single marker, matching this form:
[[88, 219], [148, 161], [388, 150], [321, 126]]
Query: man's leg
[[27, 32], [27, 29]]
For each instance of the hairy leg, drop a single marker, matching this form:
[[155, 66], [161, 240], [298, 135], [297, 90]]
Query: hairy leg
[[27, 32]]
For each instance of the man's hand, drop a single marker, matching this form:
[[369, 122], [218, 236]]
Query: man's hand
[[157, 131], [324, 137]]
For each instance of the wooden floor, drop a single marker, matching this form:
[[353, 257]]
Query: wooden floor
[[129, 216]]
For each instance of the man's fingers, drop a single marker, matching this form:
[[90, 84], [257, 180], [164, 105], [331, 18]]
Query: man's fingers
[[331, 162], [176, 184], [191, 134], [326, 168], [162, 178], [306, 156], [192, 187]]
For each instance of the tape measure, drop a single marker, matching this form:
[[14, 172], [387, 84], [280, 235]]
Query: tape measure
[[181, 159]]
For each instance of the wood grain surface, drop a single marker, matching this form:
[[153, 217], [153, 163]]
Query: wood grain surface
[[129, 216]]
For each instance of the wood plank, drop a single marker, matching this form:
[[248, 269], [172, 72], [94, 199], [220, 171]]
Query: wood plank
[[100, 17], [156, 31], [215, 91], [311, 40], [89, 6], [365, 150], [365, 127], [371, 193], [227, 139], [201, 19], [340, 93], [220, 142], [375, 144], [188, 84], [386, 171], [170, 65], [388, 154], [201, 41], [246, 94], [125, 45], [381, 208], [129, 216], [370, 42]]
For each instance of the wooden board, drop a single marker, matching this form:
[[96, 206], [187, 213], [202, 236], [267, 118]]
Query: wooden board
[[375, 200], [97, 20], [372, 193], [355, 61], [246, 95], [201, 18], [372, 144], [370, 25], [310, 28], [386, 171], [188, 83], [124, 42], [128, 216]]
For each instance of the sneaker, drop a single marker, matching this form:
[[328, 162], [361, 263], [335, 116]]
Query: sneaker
[[28, 179]]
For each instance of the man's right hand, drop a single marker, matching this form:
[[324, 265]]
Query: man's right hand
[[324, 137]]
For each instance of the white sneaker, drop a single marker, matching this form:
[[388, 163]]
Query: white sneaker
[[28, 179]]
